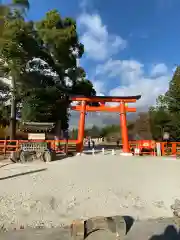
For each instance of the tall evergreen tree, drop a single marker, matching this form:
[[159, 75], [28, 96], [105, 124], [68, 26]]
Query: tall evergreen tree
[[165, 116]]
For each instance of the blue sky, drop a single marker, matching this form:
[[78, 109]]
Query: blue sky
[[131, 46]]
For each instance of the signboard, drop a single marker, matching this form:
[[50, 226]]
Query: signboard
[[36, 136], [145, 144]]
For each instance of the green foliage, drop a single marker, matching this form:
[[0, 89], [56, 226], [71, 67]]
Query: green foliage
[[4, 115], [141, 126], [166, 114], [74, 134], [21, 3], [110, 130], [173, 93], [93, 132], [159, 122], [11, 47], [97, 132], [59, 39], [84, 87], [41, 57], [45, 106]]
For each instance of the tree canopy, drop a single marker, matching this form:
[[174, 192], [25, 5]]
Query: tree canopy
[[41, 60], [165, 115]]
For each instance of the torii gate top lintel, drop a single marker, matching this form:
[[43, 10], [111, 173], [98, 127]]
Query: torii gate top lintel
[[106, 98]]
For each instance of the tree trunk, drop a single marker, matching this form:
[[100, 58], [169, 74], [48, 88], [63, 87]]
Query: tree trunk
[[13, 112], [58, 129]]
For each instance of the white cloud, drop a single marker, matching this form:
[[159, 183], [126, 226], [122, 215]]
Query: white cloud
[[126, 69], [99, 87], [85, 4], [99, 44], [159, 70], [134, 81], [102, 46]]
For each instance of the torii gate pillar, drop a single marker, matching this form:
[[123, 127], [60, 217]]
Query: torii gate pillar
[[124, 130], [79, 146]]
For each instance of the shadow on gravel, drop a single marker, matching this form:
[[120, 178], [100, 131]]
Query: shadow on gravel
[[22, 174], [60, 157], [90, 152], [170, 233], [5, 165]]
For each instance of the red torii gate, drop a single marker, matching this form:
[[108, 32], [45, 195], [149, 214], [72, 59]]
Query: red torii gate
[[122, 108]]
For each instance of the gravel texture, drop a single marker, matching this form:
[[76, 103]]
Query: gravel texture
[[154, 229], [53, 194]]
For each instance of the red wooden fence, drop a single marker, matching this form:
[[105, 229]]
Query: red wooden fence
[[167, 149], [8, 146]]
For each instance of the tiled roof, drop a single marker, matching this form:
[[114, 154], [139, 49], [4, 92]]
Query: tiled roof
[[36, 127]]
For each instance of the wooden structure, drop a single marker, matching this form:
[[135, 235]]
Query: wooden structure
[[35, 129], [121, 108], [32, 149]]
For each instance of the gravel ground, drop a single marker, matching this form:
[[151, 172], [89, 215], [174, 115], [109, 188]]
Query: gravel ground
[[158, 229], [53, 194]]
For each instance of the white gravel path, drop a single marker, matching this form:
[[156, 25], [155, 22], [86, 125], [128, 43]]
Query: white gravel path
[[86, 186]]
